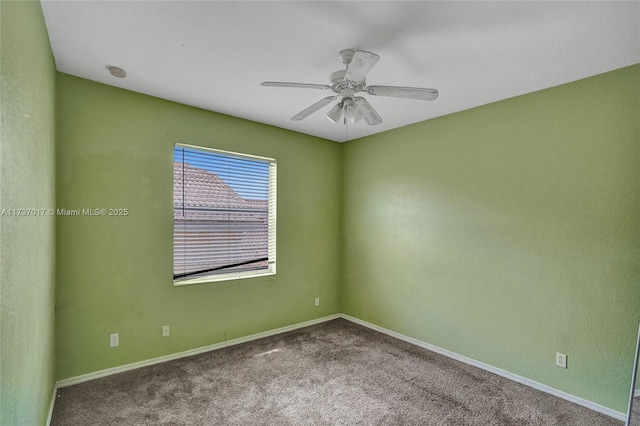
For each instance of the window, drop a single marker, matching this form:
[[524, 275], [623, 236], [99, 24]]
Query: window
[[224, 215]]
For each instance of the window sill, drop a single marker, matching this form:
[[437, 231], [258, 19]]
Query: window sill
[[220, 278]]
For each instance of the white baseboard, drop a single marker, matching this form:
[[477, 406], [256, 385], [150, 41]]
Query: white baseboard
[[637, 392], [109, 371], [51, 404], [523, 380]]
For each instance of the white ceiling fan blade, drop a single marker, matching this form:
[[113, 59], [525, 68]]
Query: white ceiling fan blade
[[294, 85], [403, 92], [368, 113], [313, 108], [360, 65]]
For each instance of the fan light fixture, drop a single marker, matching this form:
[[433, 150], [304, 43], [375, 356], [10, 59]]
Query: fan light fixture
[[347, 109], [346, 83], [335, 113], [351, 111]]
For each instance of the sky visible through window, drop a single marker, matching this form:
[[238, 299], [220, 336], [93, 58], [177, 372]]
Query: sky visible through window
[[236, 172]]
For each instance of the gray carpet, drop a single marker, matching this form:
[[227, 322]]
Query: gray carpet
[[335, 373], [635, 410]]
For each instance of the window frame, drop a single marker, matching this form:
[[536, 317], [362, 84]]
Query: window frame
[[272, 221]]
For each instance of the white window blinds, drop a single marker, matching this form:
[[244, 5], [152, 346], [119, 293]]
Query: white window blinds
[[224, 215]]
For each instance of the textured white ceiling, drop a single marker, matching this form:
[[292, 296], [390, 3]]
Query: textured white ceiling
[[214, 55]]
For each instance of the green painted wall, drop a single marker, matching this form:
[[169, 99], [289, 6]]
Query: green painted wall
[[507, 233], [114, 274], [27, 244]]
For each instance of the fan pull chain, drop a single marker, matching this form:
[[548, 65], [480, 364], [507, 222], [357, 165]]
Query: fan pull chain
[[346, 131]]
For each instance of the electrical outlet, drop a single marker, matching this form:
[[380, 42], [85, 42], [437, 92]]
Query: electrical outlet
[[114, 340], [165, 330], [561, 360], [317, 301]]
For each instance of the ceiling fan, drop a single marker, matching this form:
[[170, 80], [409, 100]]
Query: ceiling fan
[[349, 81]]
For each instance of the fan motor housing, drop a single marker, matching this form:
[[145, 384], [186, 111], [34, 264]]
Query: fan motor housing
[[339, 83]]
